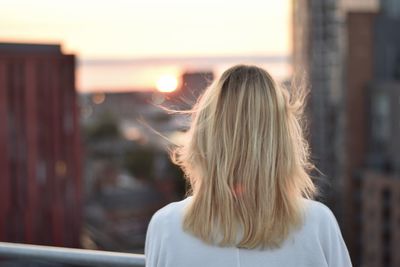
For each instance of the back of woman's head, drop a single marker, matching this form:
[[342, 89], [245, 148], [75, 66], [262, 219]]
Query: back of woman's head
[[246, 160]]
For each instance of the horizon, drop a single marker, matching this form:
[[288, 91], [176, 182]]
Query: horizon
[[141, 74], [127, 44]]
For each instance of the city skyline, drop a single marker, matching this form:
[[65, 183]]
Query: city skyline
[[143, 74], [156, 38]]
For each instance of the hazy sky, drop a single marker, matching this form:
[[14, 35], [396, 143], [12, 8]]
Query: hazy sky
[[151, 28]]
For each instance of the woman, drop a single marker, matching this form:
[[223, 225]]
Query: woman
[[247, 163]]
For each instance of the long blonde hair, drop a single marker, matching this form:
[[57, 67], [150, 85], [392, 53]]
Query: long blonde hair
[[246, 160]]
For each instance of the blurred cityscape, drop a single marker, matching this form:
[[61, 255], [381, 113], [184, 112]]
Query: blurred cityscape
[[89, 169], [350, 52]]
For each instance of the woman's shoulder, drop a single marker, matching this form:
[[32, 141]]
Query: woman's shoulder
[[318, 209], [321, 221], [320, 217], [170, 212], [315, 211]]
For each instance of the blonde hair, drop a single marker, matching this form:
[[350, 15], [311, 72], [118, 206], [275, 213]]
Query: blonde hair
[[246, 160]]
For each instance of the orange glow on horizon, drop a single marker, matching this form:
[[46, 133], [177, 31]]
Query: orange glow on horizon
[[167, 83], [119, 54]]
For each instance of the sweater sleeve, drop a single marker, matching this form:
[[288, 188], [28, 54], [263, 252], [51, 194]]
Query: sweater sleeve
[[333, 245]]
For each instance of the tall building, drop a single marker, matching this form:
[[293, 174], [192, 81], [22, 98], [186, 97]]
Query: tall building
[[383, 145], [40, 159], [359, 73], [367, 89], [317, 58], [373, 90], [381, 216]]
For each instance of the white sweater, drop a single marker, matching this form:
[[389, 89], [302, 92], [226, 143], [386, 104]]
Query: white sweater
[[318, 243]]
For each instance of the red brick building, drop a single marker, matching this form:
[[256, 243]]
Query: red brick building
[[359, 73], [40, 159], [381, 217]]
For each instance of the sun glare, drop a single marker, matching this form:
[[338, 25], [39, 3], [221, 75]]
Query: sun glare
[[167, 83]]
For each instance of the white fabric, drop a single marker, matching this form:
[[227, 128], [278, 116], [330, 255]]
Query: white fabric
[[317, 243]]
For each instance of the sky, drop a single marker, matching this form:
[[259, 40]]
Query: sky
[[153, 29]]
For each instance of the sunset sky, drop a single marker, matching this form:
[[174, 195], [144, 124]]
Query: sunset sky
[[151, 29]]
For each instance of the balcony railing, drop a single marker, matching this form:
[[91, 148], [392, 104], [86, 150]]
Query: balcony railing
[[81, 257]]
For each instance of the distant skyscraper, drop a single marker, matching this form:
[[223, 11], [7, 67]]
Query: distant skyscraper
[[40, 159], [359, 72], [317, 56], [333, 48]]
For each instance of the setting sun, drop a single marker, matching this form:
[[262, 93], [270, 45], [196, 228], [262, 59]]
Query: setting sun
[[167, 83]]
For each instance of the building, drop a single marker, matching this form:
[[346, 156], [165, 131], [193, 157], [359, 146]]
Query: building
[[373, 90], [349, 52], [381, 217], [192, 85], [317, 58], [384, 129], [40, 159], [359, 73]]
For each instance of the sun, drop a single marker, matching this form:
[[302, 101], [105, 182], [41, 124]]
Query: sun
[[167, 83]]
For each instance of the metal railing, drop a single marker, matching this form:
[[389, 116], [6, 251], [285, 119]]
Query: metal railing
[[82, 257]]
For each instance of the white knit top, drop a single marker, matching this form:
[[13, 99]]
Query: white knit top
[[318, 243]]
